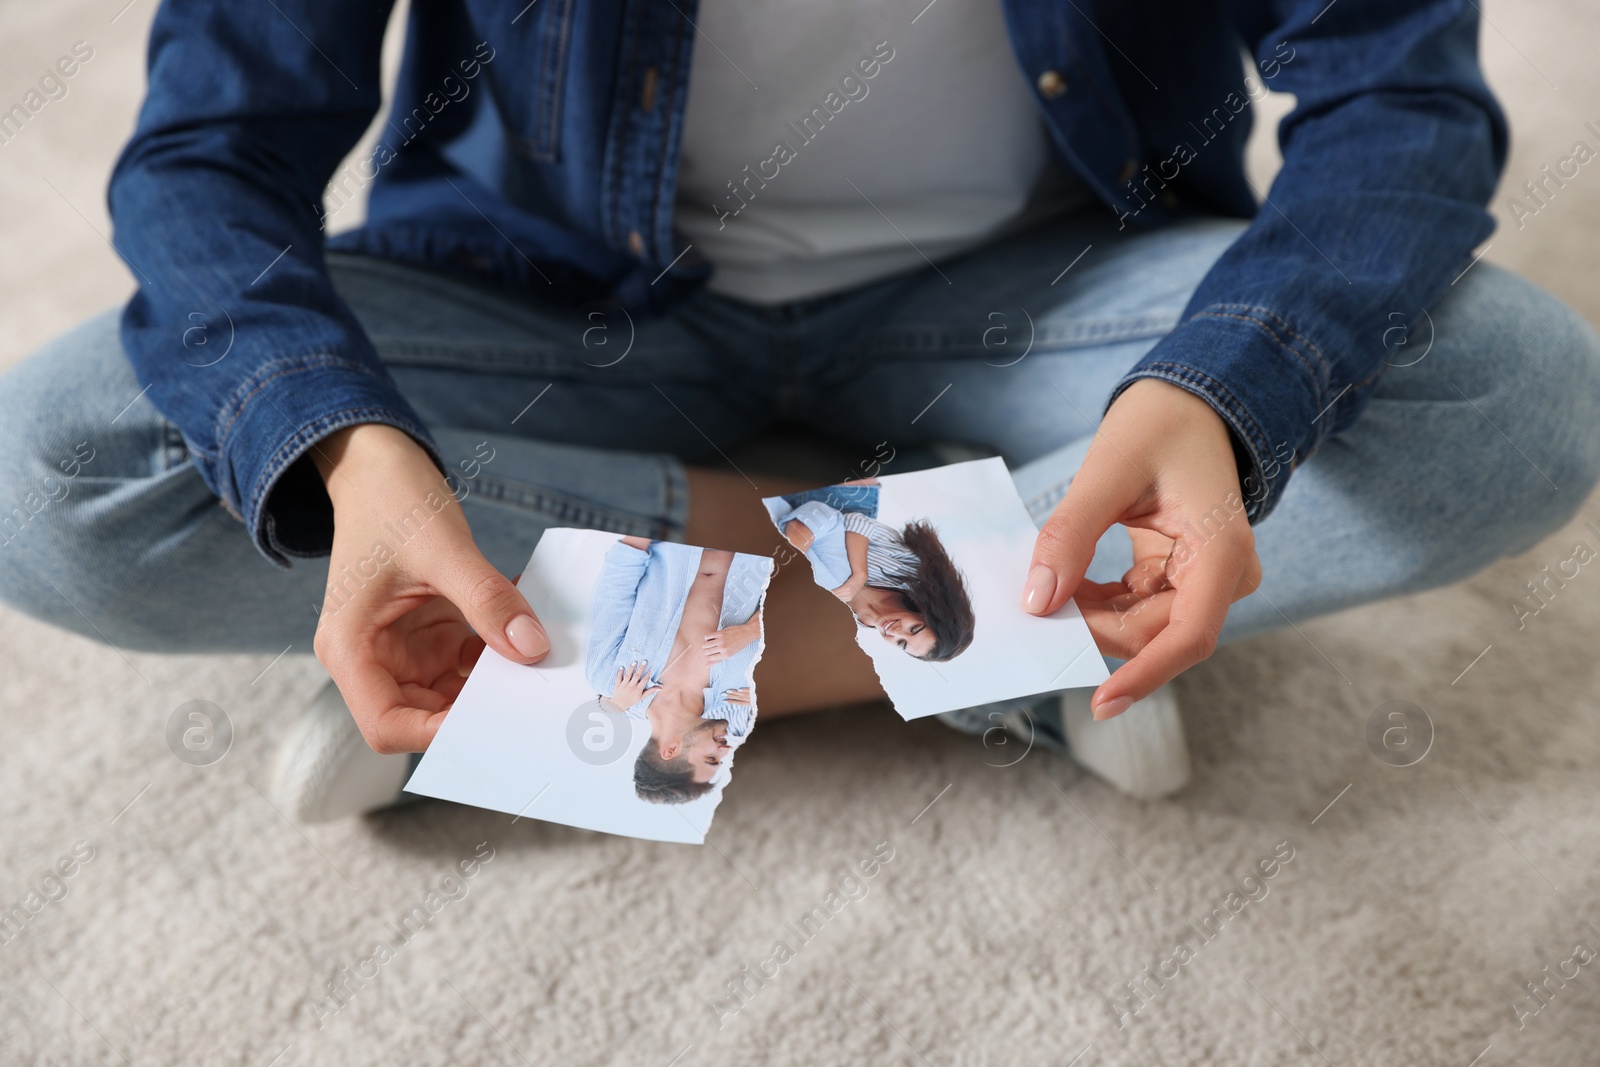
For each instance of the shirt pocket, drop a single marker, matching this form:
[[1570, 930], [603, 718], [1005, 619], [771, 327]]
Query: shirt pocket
[[532, 82]]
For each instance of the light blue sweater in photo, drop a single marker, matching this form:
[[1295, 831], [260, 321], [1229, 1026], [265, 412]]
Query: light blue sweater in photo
[[830, 566]]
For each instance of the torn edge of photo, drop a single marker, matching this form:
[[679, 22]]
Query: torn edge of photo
[[932, 564], [630, 724]]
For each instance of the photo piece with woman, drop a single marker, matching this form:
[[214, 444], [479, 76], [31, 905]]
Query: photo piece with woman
[[932, 565], [630, 724]]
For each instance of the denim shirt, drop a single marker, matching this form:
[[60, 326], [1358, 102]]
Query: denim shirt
[[637, 607], [535, 146]]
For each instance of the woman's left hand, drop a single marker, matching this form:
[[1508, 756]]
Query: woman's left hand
[[633, 682], [727, 642], [850, 589], [739, 696]]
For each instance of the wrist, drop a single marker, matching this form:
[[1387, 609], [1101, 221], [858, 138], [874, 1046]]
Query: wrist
[[343, 456], [1176, 412]]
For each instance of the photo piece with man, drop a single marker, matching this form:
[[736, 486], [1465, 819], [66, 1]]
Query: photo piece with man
[[630, 724], [932, 565]]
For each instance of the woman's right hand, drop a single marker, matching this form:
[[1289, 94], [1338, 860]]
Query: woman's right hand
[[851, 588], [633, 682], [1162, 465], [407, 588]]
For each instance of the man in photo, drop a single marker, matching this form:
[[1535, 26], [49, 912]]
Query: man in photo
[[901, 583], [674, 635]]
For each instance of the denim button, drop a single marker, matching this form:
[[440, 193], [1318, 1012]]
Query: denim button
[[1051, 84]]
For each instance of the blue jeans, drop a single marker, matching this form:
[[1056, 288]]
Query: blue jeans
[[578, 417]]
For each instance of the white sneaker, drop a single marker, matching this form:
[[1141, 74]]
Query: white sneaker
[[324, 769], [1142, 751]]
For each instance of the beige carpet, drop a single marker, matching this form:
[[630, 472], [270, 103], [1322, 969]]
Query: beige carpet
[[205, 929]]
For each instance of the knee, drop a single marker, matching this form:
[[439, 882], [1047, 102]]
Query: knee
[[1534, 379], [53, 447], [1560, 406]]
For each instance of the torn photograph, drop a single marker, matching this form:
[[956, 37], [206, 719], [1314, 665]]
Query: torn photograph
[[630, 724], [931, 564]]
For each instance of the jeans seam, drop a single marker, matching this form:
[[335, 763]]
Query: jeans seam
[[561, 508], [517, 360], [914, 342]]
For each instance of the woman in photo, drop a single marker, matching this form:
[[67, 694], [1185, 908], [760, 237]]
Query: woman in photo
[[901, 583]]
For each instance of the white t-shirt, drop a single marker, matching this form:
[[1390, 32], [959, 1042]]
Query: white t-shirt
[[830, 144]]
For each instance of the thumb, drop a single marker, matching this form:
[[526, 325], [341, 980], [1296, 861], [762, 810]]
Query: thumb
[[1095, 500], [494, 607]]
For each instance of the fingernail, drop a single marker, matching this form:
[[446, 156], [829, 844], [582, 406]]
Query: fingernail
[[527, 636], [1039, 591], [1112, 708]]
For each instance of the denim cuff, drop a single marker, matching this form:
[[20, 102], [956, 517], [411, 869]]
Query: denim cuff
[[272, 420], [1269, 383]]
